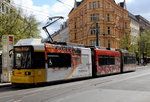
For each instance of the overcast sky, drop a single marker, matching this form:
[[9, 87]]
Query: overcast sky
[[43, 9]]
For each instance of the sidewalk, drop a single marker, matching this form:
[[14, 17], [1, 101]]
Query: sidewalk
[[5, 84]]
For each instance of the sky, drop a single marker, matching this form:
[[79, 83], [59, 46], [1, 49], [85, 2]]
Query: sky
[[42, 9]]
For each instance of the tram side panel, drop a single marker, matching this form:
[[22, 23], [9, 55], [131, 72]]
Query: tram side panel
[[129, 61], [65, 63], [107, 62]]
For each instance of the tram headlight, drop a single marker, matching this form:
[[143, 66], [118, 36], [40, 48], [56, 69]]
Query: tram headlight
[[27, 73]]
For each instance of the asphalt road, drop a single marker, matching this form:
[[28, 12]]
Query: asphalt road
[[127, 87]]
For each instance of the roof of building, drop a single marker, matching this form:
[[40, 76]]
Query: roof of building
[[132, 16], [142, 18], [78, 4]]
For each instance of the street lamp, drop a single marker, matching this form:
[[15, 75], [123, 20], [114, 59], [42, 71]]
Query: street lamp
[[98, 32], [97, 35]]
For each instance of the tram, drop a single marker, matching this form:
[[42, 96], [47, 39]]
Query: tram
[[44, 62], [50, 62], [106, 62], [128, 61]]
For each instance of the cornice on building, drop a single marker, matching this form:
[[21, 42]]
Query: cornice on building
[[77, 4], [139, 17], [133, 17]]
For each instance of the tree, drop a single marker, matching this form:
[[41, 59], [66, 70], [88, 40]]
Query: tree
[[125, 41], [144, 44], [19, 25]]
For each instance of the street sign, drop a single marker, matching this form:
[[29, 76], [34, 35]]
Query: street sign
[[7, 46]]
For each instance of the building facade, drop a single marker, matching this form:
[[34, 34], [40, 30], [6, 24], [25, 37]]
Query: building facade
[[111, 18], [62, 34], [5, 6], [135, 28], [144, 23]]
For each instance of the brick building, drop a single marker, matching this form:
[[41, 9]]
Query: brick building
[[112, 20]]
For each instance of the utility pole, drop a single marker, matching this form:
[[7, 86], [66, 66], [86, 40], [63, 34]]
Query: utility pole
[[97, 35]]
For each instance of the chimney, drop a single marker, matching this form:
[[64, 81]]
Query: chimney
[[125, 6], [75, 4]]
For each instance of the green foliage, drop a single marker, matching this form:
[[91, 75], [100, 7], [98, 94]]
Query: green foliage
[[144, 43], [140, 45], [125, 41], [18, 25]]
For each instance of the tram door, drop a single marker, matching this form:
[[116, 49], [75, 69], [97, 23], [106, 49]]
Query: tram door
[[86, 65]]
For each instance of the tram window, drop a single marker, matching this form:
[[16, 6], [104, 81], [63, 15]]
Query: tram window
[[59, 60], [106, 60], [129, 60], [39, 60], [111, 60], [102, 60], [22, 60]]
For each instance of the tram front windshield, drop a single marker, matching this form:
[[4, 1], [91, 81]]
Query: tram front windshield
[[22, 59]]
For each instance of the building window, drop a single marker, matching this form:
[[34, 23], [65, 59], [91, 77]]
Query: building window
[[93, 42], [108, 5], [93, 30], [75, 26], [99, 4], [85, 9], [11, 10], [126, 25], [75, 36], [7, 10], [3, 7], [108, 17], [94, 5], [109, 43], [90, 5], [94, 17], [108, 30]]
